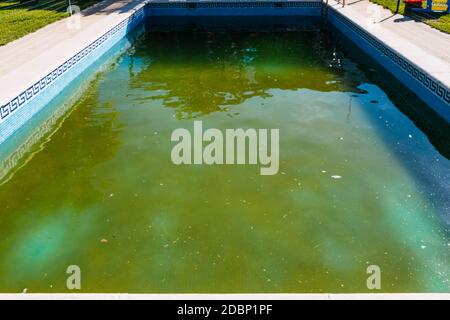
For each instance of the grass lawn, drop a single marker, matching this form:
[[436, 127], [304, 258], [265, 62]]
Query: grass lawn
[[438, 21], [17, 20]]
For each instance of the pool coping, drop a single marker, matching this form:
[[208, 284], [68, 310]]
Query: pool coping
[[38, 61]]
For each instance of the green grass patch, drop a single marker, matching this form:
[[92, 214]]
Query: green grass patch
[[16, 23], [18, 20], [436, 20], [443, 23]]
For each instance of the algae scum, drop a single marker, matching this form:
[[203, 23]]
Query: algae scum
[[358, 185]]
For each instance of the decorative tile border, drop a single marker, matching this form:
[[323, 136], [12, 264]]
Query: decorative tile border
[[19, 101], [436, 87], [234, 4]]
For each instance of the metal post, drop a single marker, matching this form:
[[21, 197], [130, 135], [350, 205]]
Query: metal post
[[398, 6]]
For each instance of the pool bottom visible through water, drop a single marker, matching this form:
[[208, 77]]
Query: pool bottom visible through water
[[358, 185]]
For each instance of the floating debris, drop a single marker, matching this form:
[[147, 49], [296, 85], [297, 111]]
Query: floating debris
[[104, 240], [336, 177]]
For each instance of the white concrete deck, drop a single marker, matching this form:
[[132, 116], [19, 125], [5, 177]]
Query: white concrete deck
[[27, 60], [426, 47]]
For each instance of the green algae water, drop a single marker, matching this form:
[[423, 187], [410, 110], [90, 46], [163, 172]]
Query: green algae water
[[359, 184]]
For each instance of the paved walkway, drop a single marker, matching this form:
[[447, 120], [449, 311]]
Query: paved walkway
[[428, 48], [27, 60]]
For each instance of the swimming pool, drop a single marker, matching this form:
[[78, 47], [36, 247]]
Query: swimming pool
[[359, 183]]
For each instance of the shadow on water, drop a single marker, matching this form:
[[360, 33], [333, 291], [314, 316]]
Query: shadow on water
[[433, 177], [431, 124]]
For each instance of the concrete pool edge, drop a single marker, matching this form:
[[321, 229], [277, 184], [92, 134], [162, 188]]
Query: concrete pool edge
[[23, 98]]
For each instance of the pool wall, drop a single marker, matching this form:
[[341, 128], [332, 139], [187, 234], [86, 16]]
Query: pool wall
[[20, 109], [235, 8]]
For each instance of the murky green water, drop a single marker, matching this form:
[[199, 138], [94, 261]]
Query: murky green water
[[105, 173]]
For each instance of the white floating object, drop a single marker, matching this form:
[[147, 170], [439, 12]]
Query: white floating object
[[336, 177]]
